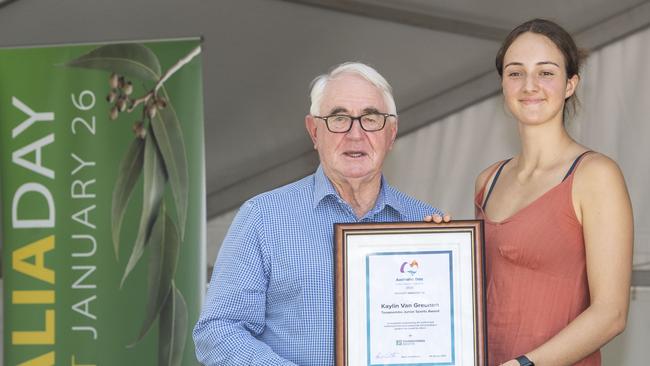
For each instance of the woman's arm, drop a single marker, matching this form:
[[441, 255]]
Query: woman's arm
[[603, 206]]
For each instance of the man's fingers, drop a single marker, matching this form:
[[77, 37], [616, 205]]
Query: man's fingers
[[437, 218]]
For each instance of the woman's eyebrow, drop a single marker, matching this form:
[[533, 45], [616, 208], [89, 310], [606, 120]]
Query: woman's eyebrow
[[539, 63]]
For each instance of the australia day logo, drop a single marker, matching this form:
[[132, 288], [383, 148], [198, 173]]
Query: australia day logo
[[409, 267]]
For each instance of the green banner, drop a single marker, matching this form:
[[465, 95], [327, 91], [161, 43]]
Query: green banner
[[103, 203]]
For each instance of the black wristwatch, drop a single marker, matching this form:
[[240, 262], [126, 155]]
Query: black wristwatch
[[524, 361]]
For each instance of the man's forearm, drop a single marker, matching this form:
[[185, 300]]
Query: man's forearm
[[232, 344]]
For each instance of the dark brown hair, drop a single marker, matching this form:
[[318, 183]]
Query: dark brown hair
[[573, 56]]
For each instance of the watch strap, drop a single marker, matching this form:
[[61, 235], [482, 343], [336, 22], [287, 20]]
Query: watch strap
[[524, 361]]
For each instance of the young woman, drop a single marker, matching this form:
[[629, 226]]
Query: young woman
[[558, 219]]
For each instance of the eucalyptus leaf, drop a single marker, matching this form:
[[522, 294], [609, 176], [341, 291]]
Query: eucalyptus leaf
[[128, 174], [173, 329], [169, 135], [132, 60], [155, 179], [163, 244]]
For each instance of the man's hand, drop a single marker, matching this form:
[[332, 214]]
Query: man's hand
[[437, 218]]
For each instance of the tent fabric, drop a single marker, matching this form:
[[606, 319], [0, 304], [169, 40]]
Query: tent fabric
[[439, 163]]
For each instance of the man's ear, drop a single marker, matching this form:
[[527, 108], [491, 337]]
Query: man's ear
[[312, 128], [393, 133]]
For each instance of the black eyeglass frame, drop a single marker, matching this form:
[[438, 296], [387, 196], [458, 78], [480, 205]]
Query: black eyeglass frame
[[327, 124]]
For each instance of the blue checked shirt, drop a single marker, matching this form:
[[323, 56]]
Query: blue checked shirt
[[271, 296]]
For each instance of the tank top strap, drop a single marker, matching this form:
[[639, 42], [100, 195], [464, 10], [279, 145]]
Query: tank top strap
[[575, 163], [494, 181]]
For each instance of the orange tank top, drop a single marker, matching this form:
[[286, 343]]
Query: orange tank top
[[536, 273]]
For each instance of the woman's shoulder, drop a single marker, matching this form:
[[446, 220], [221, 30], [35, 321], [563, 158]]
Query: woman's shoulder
[[594, 165], [483, 176], [597, 173]]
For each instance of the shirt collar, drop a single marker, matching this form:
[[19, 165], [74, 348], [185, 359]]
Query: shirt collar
[[322, 186], [387, 195]]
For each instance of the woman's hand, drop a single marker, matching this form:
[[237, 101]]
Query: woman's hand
[[511, 363]]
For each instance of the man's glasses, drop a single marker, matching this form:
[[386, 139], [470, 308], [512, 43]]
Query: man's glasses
[[342, 123]]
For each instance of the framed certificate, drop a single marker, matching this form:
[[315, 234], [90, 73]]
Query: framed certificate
[[410, 293]]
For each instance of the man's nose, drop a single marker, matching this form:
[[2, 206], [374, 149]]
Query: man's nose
[[355, 129]]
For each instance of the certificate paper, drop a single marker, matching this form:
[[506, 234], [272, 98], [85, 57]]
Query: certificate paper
[[410, 308], [410, 294]]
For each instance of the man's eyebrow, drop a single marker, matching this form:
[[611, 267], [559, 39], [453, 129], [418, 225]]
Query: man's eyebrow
[[371, 110], [342, 110], [338, 110]]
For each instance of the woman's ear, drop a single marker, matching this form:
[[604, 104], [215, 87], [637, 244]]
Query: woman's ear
[[571, 86]]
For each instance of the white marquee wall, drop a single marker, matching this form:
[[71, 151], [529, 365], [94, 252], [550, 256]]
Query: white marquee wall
[[439, 163]]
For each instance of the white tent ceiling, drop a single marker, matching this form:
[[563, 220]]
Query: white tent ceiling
[[260, 55]]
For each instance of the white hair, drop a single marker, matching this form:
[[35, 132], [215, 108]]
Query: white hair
[[319, 84]]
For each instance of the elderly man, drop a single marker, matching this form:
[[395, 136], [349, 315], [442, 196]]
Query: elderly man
[[271, 299]]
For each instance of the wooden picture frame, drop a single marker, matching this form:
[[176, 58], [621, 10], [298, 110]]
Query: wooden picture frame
[[410, 293]]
